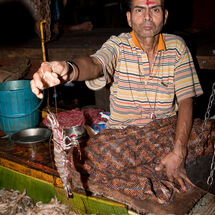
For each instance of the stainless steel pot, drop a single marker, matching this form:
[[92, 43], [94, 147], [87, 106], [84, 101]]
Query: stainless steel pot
[[77, 133]]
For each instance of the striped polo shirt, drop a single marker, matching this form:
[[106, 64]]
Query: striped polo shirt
[[138, 94]]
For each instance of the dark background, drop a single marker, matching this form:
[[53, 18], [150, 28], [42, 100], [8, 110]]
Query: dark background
[[194, 20], [184, 15]]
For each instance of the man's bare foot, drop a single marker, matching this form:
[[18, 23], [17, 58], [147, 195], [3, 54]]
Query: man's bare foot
[[85, 26]]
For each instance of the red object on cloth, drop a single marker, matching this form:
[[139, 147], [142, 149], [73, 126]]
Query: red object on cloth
[[78, 117], [93, 116]]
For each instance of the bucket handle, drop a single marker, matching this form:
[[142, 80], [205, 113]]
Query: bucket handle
[[22, 115]]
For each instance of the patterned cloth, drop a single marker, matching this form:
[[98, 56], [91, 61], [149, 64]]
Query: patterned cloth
[[137, 92], [120, 163], [88, 116]]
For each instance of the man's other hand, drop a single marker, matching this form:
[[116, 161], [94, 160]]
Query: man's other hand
[[48, 75]]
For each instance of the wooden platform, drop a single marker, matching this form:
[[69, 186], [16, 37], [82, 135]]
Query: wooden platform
[[206, 205], [32, 168], [37, 162]]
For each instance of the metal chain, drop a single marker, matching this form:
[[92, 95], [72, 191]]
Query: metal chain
[[207, 115]]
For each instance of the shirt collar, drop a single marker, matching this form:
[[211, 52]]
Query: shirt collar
[[161, 42]]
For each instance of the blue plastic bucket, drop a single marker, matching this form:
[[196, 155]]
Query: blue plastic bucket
[[18, 106]]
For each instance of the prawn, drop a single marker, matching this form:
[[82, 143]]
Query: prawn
[[62, 144]]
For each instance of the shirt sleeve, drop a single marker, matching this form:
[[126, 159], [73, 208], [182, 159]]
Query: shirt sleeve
[[108, 57], [186, 79]]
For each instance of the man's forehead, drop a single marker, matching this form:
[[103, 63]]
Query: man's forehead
[[146, 2]]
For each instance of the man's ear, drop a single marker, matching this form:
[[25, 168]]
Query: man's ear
[[165, 16], [128, 14]]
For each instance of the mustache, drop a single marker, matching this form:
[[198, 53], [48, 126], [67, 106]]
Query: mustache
[[148, 23]]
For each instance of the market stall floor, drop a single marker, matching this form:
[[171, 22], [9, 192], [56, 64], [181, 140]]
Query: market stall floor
[[37, 162]]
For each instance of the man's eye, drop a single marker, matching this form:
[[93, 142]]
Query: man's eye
[[156, 10], [138, 10]]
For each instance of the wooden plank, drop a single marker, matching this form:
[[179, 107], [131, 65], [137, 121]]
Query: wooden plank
[[181, 203], [36, 54], [31, 172], [206, 62], [206, 205]]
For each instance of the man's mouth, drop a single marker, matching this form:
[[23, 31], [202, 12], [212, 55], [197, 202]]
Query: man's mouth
[[147, 27]]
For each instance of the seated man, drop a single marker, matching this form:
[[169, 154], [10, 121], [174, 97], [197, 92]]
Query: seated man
[[152, 77], [57, 16]]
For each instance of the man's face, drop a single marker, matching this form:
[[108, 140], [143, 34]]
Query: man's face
[[146, 17]]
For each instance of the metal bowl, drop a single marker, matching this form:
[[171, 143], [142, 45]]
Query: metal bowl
[[76, 133], [31, 136]]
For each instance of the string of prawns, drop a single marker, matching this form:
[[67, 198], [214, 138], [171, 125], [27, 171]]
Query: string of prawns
[[62, 144]]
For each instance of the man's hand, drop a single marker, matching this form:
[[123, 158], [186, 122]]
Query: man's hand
[[173, 164], [49, 74]]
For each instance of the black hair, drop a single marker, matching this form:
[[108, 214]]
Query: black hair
[[128, 5]]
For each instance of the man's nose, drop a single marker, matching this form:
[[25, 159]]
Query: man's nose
[[147, 14]]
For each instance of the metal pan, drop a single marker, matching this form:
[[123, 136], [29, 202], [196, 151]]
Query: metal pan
[[31, 136], [198, 172], [77, 133]]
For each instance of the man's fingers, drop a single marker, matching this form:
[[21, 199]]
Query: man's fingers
[[49, 74], [40, 95], [45, 78], [182, 179], [159, 167], [36, 90], [60, 69], [182, 184], [37, 81], [56, 67], [188, 180], [50, 79]]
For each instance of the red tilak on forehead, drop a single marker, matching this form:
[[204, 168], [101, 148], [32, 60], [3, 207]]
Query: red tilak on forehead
[[148, 2]]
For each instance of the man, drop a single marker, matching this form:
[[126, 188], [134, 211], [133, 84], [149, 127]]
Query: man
[[151, 74], [57, 12]]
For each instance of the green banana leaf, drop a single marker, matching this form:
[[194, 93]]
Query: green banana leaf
[[40, 190]]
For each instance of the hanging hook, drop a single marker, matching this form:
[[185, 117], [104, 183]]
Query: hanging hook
[[42, 39]]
